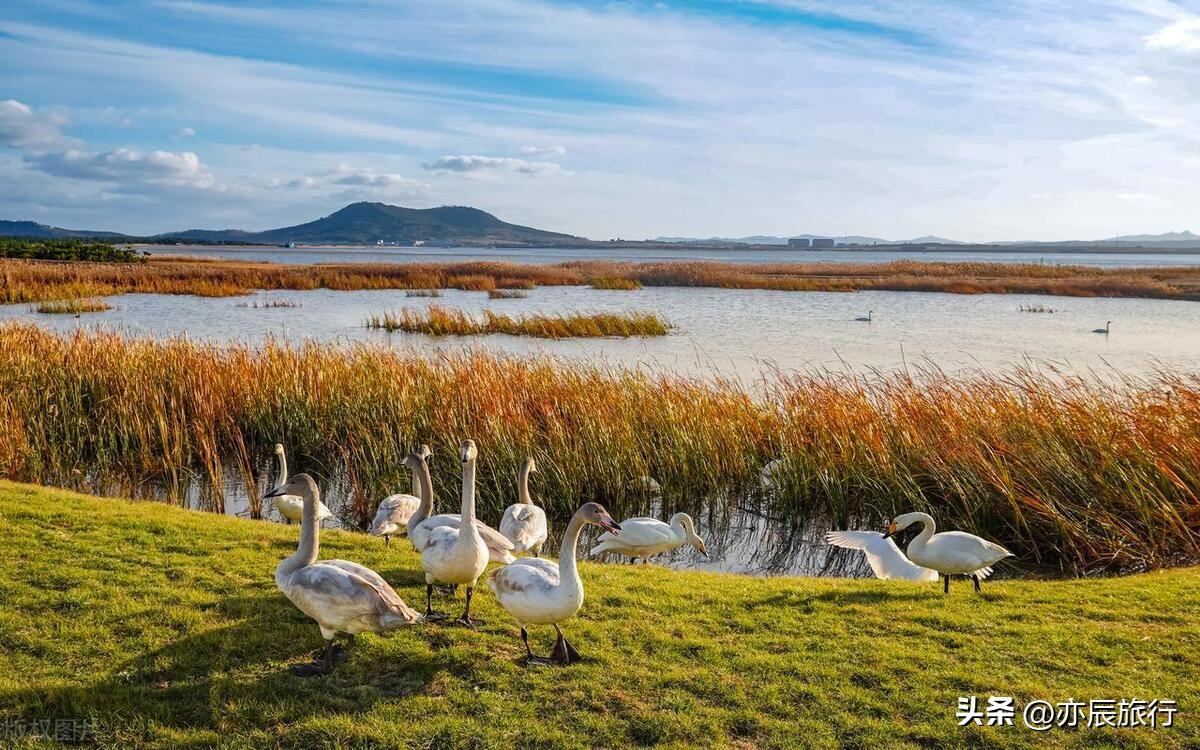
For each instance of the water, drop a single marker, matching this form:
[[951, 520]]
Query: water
[[736, 333], [360, 254]]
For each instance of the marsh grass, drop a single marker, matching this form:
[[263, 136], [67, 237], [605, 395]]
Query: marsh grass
[[271, 304], [166, 629], [442, 321], [34, 281], [423, 293], [72, 306], [1072, 474], [616, 283], [507, 294], [1037, 309]]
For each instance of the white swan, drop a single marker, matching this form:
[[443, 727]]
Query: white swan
[[866, 319], [644, 537], [391, 517], [343, 597], [884, 557], [290, 506], [456, 554], [1104, 330], [950, 552], [421, 524], [524, 523], [541, 592]]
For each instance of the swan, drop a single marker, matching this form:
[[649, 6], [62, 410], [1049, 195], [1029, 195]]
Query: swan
[[644, 537], [291, 507], [343, 597], [950, 552], [524, 523], [866, 319], [456, 554], [391, 517], [421, 524], [541, 592], [884, 557], [1103, 330], [771, 474]]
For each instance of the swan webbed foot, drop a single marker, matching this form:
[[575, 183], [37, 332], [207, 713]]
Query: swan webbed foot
[[387, 540], [332, 656], [564, 653], [946, 585], [467, 621], [977, 589], [308, 670], [432, 616]]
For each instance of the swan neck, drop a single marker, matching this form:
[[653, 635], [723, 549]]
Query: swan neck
[[568, 568], [928, 527], [310, 536], [424, 482], [283, 473], [468, 494], [523, 485]]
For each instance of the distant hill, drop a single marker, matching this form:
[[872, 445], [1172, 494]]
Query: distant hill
[[367, 223], [1171, 237], [769, 239], [45, 231]]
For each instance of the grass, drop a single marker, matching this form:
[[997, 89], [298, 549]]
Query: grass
[[1071, 474], [507, 294], [616, 283], [165, 628], [72, 306], [271, 304], [442, 321], [423, 293], [1037, 309], [34, 281]]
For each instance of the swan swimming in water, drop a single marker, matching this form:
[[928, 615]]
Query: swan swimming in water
[[391, 517], [643, 537], [950, 552], [290, 506], [884, 557], [524, 523], [342, 596], [541, 592], [456, 554], [1103, 330], [866, 319]]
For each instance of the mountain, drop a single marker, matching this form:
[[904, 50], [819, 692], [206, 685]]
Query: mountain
[[1150, 239], [368, 223], [769, 239], [45, 231]]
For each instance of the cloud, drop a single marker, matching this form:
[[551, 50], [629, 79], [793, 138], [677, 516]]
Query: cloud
[[1182, 36], [465, 163], [347, 181], [185, 132], [127, 167], [21, 128], [543, 151]]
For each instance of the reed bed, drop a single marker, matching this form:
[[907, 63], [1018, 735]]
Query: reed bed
[[1071, 474], [271, 304], [72, 306], [423, 293], [442, 321], [34, 281], [507, 294], [619, 283]]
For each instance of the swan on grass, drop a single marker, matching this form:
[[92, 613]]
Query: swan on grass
[[343, 597], [950, 552], [644, 537], [456, 554], [541, 592], [421, 524], [291, 507], [394, 511], [884, 557], [524, 524]]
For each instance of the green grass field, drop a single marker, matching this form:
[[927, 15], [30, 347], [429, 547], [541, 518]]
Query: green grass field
[[164, 627]]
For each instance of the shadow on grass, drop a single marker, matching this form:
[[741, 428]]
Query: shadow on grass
[[183, 683]]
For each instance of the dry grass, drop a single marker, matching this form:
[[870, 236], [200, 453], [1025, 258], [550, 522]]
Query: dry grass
[[423, 293], [1069, 473], [1037, 309], [271, 304], [72, 306], [507, 294], [616, 282], [442, 321], [34, 281]]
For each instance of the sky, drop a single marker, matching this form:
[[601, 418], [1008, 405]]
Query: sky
[[978, 121]]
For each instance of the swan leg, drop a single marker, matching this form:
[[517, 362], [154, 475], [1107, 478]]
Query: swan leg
[[387, 540], [946, 587], [466, 615], [429, 613], [447, 589], [324, 666], [564, 653], [532, 659], [976, 577]]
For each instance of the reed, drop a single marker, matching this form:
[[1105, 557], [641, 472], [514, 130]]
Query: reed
[[1037, 309], [34, 281], [72, 306], [271, 304], [442, 321], [1070, 473], [423, 293], [616, 282], [507, 294]]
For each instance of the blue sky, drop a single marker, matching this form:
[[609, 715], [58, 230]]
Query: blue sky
[[970, 120]]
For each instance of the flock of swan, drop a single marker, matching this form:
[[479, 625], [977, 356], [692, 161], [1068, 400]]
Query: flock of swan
[[456, 549]]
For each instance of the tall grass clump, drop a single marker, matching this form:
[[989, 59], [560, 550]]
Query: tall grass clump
[[616, 282], [442, 321], [1071, 474], [72, 306], [423, 293], [507, 294]]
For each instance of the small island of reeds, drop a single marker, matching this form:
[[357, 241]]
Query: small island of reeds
[[72, 306], [442, 321]]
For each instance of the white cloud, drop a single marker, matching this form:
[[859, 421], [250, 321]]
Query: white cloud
[[347, 181], [1182, 36], [126, 167], [472, 163], [543, 151], [21, 128], [185, 132]]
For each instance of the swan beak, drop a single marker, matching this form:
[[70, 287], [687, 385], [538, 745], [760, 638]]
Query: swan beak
[[275, 492], [610, 525], [891, 529], [703, 550]]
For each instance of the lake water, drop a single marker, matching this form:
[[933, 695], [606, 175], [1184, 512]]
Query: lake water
[[733, 332], [360, 254]]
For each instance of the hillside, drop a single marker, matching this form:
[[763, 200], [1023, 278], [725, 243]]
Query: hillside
[[367, 223], [163, 628], [45, 231]]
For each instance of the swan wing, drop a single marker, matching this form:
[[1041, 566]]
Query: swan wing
[[962, 553], [884, 557], [499, 547], [639, 532], [393, 513], [525, 526], [348, 597], [527, 576]]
